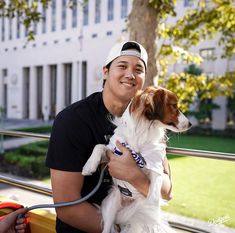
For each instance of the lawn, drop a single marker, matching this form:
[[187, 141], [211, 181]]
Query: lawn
[[212, 143], [203, 188]]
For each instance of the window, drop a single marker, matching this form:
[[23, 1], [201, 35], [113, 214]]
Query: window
[[18, 26], [124, 9], [53, 72], [68, 83], [44, 19], [94, 35], [53, 15], [97, 11], [35, 28], [110, 10], [3, 29], [109, 33], [188, 3], [84, 79], [63, 21], [10, 28], [26, 31], [85, 14], [208, 54], [74, 13]]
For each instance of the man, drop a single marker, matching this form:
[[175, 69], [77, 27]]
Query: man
[[81, 126]]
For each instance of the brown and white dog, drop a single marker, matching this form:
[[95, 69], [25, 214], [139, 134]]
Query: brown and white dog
[[142, 129]]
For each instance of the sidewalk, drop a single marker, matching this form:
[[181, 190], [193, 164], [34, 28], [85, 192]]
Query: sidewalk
[[10, 124]]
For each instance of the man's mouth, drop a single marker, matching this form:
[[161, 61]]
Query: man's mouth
[[128, 84]]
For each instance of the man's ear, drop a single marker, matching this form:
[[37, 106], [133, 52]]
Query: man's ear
[[105, 72]]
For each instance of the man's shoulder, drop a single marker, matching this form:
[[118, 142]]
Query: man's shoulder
[[80, 108]]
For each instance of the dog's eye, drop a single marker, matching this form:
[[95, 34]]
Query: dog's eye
[[175, 106]]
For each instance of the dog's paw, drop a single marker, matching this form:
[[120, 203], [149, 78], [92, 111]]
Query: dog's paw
[[89, 168]]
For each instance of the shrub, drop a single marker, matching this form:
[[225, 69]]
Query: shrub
[[28, 160]]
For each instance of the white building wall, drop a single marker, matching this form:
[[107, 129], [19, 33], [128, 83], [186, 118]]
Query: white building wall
[[58, 48], [74, 46]]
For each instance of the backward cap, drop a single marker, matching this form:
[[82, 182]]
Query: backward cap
[[119, 50]]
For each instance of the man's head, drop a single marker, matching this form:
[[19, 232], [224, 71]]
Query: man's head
[[125, 70], [127, 48]]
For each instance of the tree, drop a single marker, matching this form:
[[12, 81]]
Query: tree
[[167, 44]]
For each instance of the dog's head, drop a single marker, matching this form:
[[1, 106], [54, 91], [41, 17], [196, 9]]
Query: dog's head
[[159, 104]]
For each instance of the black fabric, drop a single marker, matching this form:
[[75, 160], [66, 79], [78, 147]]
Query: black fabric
[[75, 132]]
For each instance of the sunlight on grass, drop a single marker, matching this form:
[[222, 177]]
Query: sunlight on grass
[[203, 189], [211, 143]]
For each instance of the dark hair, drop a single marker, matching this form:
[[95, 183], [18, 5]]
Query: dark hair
[[107, 67], [131, 45]]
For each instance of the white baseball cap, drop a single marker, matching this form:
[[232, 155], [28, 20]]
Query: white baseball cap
[[127, 48]]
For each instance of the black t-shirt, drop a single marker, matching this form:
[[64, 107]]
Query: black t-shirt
[[75, 132]]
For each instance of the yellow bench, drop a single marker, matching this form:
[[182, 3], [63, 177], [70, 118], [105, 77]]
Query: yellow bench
[[39, 220]]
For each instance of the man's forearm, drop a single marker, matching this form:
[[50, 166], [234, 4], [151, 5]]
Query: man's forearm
[[141, 182], [166, 189], [79, 216]]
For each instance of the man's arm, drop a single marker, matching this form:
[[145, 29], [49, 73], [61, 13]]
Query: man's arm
[[166, 190], [66, 187], [125, 168]]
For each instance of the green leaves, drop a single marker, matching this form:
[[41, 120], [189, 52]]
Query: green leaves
[[190, 86], [163, 7], [27, 12], [207, 20]]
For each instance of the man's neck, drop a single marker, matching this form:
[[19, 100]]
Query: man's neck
[[114, 106]]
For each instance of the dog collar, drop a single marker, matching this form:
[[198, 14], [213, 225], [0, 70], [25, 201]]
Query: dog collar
[[125, 191], [139, 159]]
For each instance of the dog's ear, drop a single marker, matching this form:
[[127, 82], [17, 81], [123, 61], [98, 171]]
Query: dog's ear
[[155, 106], [135, 103]]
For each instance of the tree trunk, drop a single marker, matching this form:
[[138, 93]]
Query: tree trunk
[[142, 25]]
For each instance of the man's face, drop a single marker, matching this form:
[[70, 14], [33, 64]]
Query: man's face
[[125, 76]]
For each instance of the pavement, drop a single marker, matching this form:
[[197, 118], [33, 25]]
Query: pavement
[[23, 123], [29, 198]]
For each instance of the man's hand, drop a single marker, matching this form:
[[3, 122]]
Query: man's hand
[[11, 223], [125, 168]]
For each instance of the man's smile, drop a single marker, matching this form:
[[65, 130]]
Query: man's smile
[[128, 84]]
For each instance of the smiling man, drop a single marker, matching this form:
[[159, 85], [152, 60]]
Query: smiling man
[[82, 125]]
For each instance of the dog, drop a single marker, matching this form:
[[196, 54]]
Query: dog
[[142, 129]]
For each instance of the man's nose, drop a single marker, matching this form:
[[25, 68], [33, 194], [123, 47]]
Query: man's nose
[[130, 75]]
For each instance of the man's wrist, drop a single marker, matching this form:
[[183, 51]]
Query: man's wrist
[[141, 182]]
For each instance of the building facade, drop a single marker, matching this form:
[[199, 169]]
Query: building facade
[[64, 62]]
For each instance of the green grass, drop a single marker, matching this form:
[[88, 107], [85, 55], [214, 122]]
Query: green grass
[[211, 143], [38, 129], [203, 188]]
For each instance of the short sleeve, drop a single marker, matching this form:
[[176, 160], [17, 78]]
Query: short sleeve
[[70, 143]]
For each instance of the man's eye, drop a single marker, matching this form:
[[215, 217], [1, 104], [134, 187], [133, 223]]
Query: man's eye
[[139, 71]]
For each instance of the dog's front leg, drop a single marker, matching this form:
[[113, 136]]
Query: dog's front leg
[[92, 163]]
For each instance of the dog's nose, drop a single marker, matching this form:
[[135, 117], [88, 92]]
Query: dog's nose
[[189, 124]]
